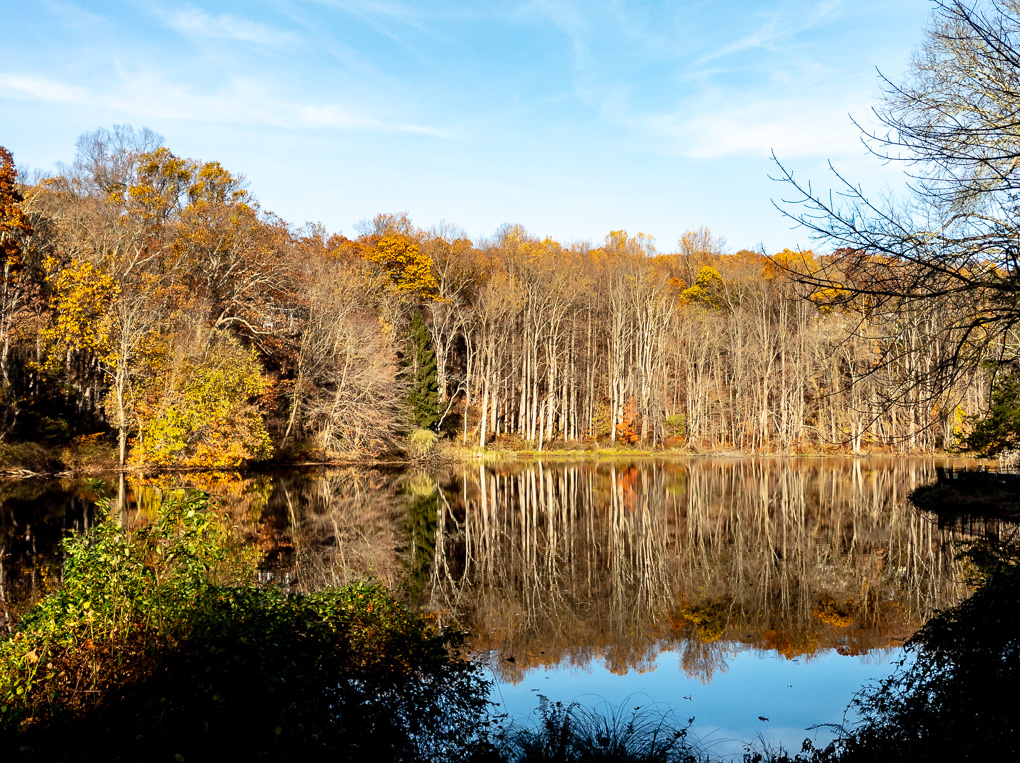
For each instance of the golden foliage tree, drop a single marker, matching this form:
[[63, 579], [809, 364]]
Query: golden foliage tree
[[401, 257], [201, 407], [13, 220], [707, 289]]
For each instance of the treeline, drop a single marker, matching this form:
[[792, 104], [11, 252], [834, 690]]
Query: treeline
[[150, 296]]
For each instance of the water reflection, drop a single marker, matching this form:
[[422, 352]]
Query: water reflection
[[552, 564], [34, 516], [569, 563]]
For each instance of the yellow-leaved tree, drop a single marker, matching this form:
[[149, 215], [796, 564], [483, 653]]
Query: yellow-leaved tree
[[157, 256], [410, 269], [707, 290], [94, 316], [15, 288], [201, 406]]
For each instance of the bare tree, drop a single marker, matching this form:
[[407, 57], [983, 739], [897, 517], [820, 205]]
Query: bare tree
[[347, 394], [947, 256]]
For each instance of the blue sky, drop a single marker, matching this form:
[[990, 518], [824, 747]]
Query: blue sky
[[569, 118]]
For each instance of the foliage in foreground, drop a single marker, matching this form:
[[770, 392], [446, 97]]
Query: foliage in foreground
[[956, 699], [159, 646], [147, 653], [565, 734]]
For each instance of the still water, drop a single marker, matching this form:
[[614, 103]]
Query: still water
[[755, 595]]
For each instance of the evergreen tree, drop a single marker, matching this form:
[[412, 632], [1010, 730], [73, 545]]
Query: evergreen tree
[[1000, 429], [424, 396]]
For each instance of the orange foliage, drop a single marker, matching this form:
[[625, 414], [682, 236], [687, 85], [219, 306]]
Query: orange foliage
[[706, 621], [627, 486], [788, 261], [790, 646], [627, 428], [831, 613], [13, 221]]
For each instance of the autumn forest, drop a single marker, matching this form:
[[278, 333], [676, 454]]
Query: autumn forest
[[150, 303]]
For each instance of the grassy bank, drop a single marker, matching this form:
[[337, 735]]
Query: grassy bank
[[29, 458], [95, 454]]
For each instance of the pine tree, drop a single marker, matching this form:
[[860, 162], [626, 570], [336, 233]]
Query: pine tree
[[424, 396], [1000, 429]]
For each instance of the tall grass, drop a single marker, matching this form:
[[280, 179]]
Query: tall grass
[[572, 733]]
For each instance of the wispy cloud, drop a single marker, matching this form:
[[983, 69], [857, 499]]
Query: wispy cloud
[[765, 87], [391, 9], [197, 23], [759, 127], [385, 16], [41, 89], [151, 97], [777, 28], [673, 96], [765, 36]]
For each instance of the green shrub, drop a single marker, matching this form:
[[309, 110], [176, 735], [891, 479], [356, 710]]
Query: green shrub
[[120, 590], [676, 425], [153, 650], [421, 443], [1000, 429]]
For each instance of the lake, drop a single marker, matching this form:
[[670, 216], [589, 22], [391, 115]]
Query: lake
[[755, 595]]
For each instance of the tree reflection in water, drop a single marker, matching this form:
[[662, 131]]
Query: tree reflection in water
[[572, 562], [34, 516]]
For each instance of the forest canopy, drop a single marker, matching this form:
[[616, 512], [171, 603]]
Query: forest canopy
[[149, 298]]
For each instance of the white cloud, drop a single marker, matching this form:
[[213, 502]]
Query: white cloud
[[337, 117], [403, 12], [37, 88], [777, 90], [745, 134], [764, 36], [791, 128], [145, 96], [779, 26], [386, 16], [194, 22]]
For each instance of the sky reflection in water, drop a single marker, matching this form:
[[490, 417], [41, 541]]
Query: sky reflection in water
[[792, 694]]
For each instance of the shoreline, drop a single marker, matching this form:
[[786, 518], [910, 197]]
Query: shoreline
[[448, 453]]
